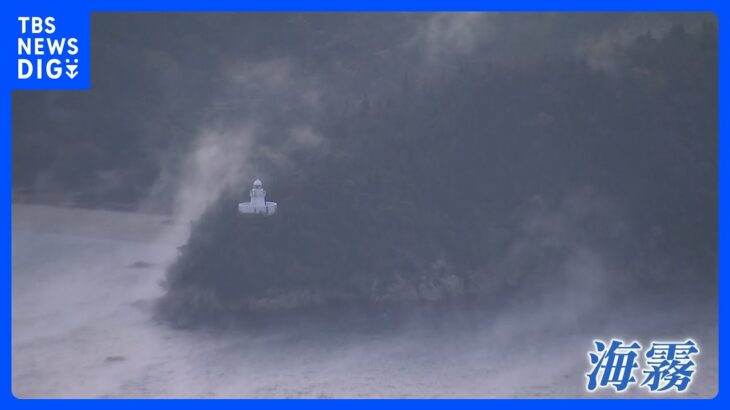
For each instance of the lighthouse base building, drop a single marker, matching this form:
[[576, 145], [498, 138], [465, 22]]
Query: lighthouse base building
[[258, 204]]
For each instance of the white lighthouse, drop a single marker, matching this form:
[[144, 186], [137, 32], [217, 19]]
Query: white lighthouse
[[258, 204]]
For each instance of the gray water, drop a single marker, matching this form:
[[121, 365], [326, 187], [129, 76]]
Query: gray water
[[85, 283]]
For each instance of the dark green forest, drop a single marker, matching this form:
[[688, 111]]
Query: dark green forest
[[425, 194]]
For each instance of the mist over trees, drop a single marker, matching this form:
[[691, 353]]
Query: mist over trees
[[574, 155]]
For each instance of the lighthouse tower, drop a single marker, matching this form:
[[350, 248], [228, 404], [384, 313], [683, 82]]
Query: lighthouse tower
[[258, 204]]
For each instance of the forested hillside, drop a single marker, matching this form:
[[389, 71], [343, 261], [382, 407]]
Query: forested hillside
[[494, 181]]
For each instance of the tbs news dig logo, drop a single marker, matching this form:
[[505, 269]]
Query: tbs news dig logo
[[42, 53]]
